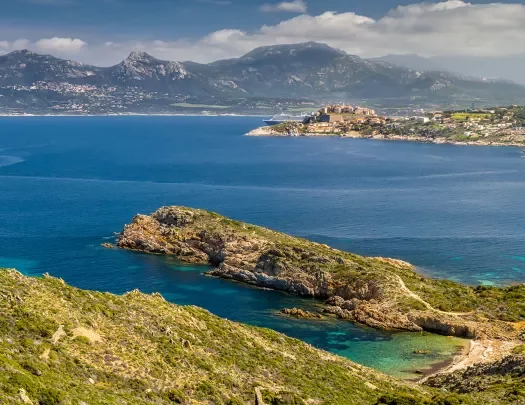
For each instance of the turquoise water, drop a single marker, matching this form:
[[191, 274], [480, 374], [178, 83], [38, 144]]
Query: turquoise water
[[67, 184]]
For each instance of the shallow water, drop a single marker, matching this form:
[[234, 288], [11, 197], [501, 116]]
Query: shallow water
[[66, 184]]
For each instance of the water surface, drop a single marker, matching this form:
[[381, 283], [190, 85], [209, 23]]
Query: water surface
[[67, 184]]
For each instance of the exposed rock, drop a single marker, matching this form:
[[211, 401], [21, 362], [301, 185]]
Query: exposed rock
[[422, 352], [24, 397], [299, 313], [445, 326], [483, 376], [59, 334]]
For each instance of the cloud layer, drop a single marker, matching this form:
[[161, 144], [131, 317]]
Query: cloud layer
[[296, 6], [446, 28], [55, 45]]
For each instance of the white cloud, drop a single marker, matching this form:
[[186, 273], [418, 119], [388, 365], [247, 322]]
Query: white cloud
[[20, 44], [61, 45], [452, 27], [296, 6], [64, 47], [446, 28]]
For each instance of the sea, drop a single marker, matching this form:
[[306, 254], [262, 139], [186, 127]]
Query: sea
[[68, 184]]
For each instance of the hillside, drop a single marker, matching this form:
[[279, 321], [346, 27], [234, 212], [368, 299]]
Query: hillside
[[265, 80], [493, 383], [378, 292], [62, 345]]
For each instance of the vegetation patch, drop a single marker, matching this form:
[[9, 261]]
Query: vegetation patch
[[154, 352]]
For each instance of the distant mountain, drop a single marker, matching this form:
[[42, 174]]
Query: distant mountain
[[508, 68], [413, 61], [26, 68], [267, 78]]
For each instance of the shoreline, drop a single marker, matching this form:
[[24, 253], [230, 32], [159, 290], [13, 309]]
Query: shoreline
[[268, 132], [479, 352], [128, 115]]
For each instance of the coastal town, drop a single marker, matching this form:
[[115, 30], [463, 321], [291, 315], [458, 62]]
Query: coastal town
[[491, 126]]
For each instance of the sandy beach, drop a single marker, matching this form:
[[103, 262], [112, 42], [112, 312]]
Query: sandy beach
[[479, 351]]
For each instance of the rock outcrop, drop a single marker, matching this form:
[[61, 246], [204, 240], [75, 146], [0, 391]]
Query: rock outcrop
[[372, 291], [300, 313], [504, 379]]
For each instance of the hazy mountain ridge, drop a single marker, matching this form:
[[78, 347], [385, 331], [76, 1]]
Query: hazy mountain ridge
[[308, 71], [505, 69]]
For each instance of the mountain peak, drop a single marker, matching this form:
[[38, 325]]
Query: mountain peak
[[21, 52], [140, 56], [294, 50]]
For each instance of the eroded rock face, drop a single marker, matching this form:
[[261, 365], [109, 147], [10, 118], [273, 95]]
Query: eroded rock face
[[371, 313], [444, 326], [365, 290]]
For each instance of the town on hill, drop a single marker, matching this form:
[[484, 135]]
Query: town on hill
[[498, 126]]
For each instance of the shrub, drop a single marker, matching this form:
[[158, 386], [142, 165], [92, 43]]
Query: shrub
[[175, 396], [51, 396]]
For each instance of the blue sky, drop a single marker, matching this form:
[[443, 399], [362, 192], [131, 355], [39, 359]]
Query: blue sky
[[165, 18], [103, 31]]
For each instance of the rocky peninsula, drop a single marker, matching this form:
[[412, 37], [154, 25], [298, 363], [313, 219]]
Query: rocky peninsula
[[501, 126], [293, 131], [378, 292]]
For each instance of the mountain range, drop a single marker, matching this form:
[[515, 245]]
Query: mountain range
[[266, 79], [510, 67]]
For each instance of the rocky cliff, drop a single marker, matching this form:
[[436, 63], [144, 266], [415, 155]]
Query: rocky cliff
[[382, 293]]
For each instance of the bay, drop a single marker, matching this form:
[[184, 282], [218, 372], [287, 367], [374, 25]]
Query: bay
[[68, 183]]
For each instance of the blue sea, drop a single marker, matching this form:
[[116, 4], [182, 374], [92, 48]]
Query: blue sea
[[67, 184]]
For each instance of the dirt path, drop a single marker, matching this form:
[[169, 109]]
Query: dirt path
[[426, 304]]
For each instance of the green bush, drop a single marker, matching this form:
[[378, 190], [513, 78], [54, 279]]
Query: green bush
[[406, 399], [400, 399], [282, 398], [175, 396], [235, 401], [51, 396]]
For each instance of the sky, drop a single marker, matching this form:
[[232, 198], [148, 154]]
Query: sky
[[103, 32]]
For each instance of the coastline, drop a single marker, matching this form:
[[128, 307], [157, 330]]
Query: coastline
[[268, 132], [129, 115], [479, 352]]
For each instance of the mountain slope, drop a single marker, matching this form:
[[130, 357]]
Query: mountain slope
[[274, 76], [62, 345], [318, 71], [26, 68], [173, 78], [412, 61]]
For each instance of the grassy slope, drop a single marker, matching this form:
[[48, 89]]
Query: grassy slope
[[140, 349]]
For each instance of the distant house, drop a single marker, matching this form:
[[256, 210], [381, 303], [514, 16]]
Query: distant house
[[364, 111]]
